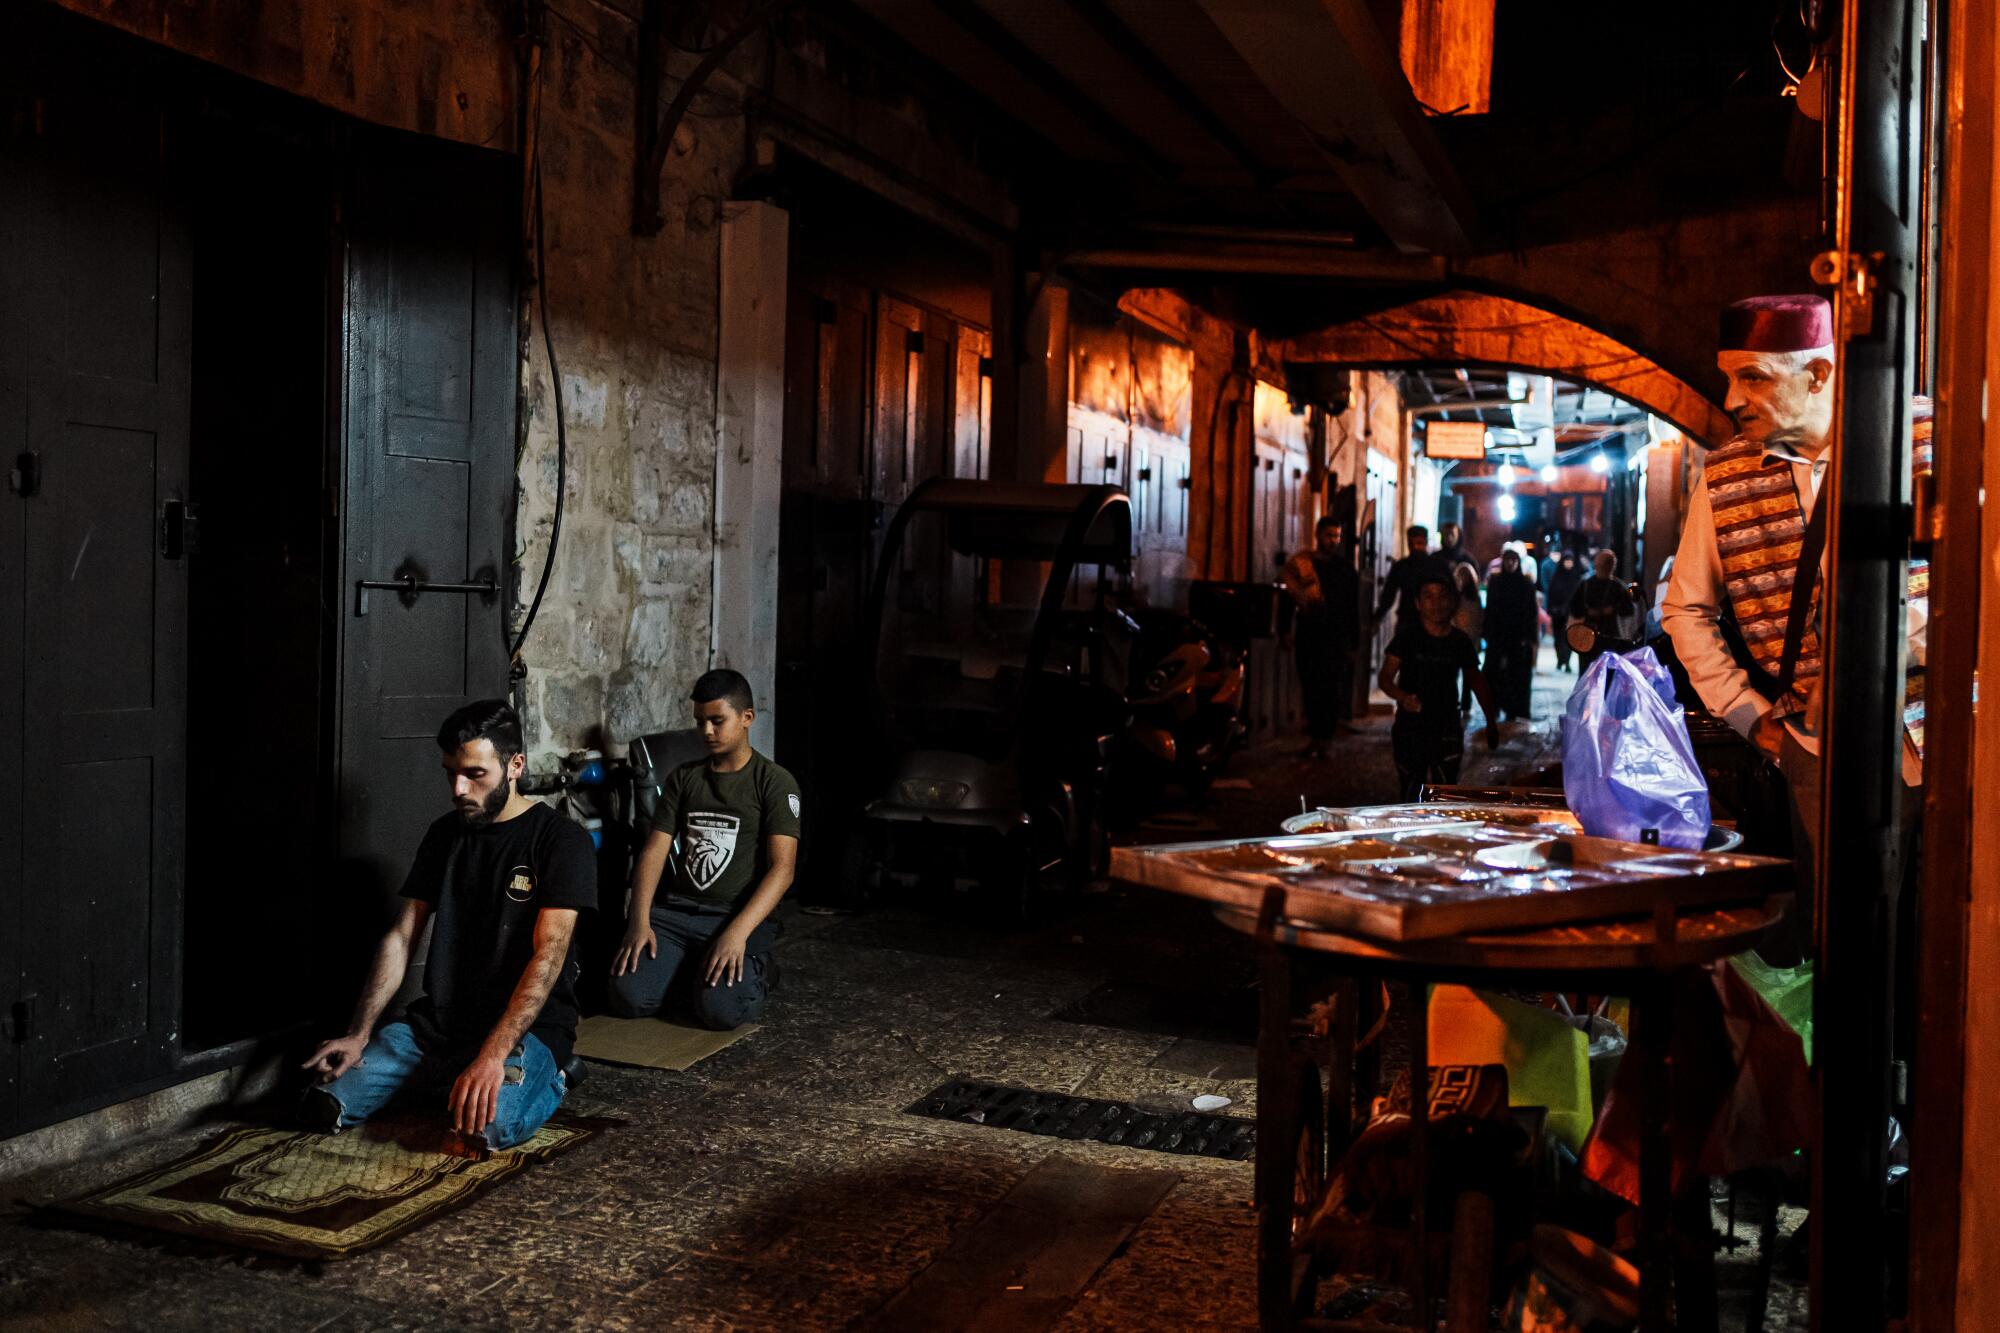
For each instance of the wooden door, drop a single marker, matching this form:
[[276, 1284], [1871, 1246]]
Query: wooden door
[[827, 529], [93, 573], [429, 371], [882, 394]]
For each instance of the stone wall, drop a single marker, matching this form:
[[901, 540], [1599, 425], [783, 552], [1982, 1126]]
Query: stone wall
[[624, 627]]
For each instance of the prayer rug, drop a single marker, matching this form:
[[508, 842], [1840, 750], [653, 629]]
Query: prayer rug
[[316, 1196], [652, 1042]]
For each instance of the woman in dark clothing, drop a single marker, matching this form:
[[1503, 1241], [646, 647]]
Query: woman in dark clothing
[[1563, 582], [1513, 632]]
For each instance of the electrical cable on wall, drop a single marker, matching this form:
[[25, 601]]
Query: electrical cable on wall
[[548, 347]]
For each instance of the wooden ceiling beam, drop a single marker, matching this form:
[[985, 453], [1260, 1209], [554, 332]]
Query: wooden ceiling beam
[[1329, 65], [1133, 50], [998, 38]]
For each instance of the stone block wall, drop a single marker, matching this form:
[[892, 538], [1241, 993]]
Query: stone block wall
[[624, 626]]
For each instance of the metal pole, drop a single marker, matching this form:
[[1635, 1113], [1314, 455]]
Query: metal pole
[[1874, 262]]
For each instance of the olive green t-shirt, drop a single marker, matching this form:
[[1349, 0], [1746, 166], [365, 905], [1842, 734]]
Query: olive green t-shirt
[[719, 822]]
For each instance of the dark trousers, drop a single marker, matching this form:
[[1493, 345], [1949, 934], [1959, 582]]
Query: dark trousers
[[1510, 669], [1426, 753], [1563, 650], [674, 983], [1326, 677]]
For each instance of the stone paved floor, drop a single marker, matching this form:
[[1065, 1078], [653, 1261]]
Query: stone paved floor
[[779, 1184]]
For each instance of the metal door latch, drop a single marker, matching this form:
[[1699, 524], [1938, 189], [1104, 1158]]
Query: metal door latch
[[20, 1024], [179, 529], [1854, 276], [409, 584]]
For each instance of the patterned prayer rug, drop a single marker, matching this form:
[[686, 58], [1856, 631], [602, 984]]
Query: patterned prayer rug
[[315, 1196]]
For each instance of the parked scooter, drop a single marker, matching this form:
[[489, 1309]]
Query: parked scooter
[[1185, 700]]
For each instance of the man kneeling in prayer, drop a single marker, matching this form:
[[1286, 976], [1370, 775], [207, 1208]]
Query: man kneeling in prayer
[[504, 876], [730, 824]]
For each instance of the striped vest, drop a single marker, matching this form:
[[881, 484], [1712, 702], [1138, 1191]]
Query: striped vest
[[1759, 528]]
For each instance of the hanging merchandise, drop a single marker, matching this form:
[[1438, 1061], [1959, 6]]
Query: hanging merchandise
[[1629, 770]]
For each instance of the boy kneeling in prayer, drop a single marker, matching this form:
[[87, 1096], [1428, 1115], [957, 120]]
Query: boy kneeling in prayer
[[729, 824]]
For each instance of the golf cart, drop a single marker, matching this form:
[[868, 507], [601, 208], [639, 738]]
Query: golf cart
[[997, 683]]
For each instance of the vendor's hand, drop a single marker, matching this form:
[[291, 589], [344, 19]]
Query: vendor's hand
[[1411, 703], [725, 957], [639, 938], [1768, 735], [476, 1095], [336, 1057]]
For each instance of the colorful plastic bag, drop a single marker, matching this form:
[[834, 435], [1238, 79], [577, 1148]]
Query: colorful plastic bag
[[1629, 770], [1788, 990]]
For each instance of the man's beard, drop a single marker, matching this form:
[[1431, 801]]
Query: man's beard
[[490, 808]]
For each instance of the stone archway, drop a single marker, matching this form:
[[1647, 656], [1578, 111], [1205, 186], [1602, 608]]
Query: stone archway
[[1473, 328]]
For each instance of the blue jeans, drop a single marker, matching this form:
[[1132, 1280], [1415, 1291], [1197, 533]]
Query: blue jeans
[[394, 1065]]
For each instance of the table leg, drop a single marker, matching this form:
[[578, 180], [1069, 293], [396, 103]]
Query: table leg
[[1277, 1137], [1652, 1035], [1420, 1121], [1340, 1068]]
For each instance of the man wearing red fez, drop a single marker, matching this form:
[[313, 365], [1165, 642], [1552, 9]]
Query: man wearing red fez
[[1748, 525]]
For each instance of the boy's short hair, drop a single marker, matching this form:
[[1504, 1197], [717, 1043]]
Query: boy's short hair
[[1448, 582], [1415, 530], [485, 719], [1326, 521], [726, 685]]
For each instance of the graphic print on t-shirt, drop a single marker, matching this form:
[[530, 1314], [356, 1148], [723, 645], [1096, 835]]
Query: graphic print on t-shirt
[[521, 884], [708, 845]]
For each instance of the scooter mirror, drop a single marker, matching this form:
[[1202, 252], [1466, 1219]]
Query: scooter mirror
[[1582, 638]]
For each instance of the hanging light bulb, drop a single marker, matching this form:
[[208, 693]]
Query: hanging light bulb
[[1507, 475], [1599, 463], [1549, 474], [1507, 510]]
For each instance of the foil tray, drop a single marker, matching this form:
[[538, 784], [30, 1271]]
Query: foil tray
[[1456, 873]]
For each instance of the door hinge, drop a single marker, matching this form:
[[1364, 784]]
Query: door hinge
[[1854, 276], [25, 477], [21, 1020], [180, 529]]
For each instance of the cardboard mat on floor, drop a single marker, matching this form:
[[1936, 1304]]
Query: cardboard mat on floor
[[653, 1043]]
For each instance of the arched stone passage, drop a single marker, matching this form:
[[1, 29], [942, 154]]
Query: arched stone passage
[[1472, 328]]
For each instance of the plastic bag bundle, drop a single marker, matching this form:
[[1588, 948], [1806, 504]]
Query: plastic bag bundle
[[1629, 770]]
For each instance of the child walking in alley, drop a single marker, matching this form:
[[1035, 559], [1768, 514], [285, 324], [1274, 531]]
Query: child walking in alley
[[1421, 672]]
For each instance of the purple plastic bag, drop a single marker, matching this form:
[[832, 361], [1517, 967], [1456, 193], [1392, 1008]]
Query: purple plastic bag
[[1629, 770]]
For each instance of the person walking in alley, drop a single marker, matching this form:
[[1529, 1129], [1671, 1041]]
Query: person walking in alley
[[1326, 590], [500, 880], [730, 826], [1565, 576], [1469, 619], [1451, 546], [1399, 589], [1421, 671], [1513, 634], [1604, 603]]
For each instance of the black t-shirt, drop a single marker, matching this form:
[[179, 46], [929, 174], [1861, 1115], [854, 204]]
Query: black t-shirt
[[1430, 667], [487, 886]]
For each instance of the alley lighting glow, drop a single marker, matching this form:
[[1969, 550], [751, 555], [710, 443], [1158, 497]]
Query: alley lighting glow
[[1507, 508], [1550, 473], [1599, 463], [1508, 475]]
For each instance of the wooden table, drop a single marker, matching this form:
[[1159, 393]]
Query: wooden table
[[1639, 959]]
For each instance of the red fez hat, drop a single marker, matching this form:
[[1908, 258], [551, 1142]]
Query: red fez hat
[[1777, 324]]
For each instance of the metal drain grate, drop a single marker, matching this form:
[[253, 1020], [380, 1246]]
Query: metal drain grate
[[1059, 1115]]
